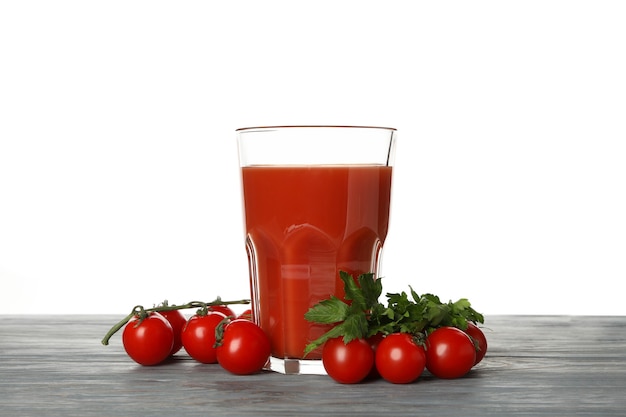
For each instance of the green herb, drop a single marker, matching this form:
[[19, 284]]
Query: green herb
[[365, 316], [351, 319]]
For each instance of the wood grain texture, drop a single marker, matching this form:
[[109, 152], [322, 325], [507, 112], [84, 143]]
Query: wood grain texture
[[535, 366]]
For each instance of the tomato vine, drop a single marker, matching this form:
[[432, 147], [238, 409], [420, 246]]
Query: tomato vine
[[141, 312]]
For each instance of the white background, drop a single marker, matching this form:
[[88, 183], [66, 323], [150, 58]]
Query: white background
[[119, 182]]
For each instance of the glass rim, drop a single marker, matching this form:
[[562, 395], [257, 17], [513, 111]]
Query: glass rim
[[276, 127]]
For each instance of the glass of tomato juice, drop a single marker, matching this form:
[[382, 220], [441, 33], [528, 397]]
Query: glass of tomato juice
[[315, 202]]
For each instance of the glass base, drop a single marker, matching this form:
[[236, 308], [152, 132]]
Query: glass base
[[296, 366]]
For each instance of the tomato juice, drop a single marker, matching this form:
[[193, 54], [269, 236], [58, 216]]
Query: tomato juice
[[304, 224]]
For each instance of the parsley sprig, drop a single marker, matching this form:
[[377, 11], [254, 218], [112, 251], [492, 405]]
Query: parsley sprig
[[362, 314], [351, 320]]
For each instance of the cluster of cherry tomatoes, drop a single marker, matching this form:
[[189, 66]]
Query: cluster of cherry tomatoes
[[400, 358], [213, 335]]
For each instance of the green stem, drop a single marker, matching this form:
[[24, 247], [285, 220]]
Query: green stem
[[140, 311], [114, 329]]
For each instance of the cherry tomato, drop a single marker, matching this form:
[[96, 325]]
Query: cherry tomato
[[399, 359], [374, 341], [178, 321], [479, 339], [347, 363], [148, 341], [450, 353], [199, 336], [224, 309], [247, 314], [244, 347]]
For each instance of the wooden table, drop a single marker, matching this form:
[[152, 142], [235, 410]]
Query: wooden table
[[535, 366]]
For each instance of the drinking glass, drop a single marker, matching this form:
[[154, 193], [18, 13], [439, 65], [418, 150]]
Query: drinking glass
[[315, 202]]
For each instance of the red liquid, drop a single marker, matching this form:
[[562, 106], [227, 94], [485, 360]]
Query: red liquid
[[305, 224]]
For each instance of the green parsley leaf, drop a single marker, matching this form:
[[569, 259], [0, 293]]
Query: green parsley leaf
[[353, 292], [329, 311], [354, 327], [371, 289], [332, 333]]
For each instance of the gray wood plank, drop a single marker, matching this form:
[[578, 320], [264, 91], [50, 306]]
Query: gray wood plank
[[535, 366]]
